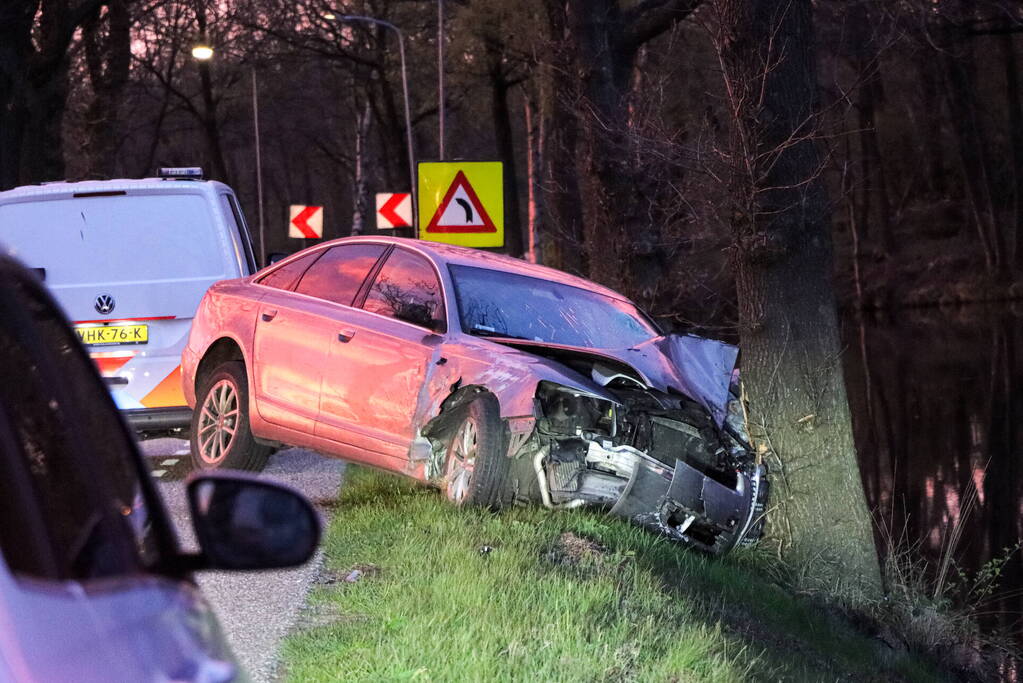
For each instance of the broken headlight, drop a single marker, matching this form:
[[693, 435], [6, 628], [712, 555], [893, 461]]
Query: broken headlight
[[574, 412]]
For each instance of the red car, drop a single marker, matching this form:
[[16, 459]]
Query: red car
[[495, 379]]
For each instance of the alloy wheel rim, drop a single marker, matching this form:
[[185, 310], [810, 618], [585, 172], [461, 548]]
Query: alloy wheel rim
[[218, 422], [462, 461]]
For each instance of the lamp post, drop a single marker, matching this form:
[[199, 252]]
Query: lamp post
[[404, 88], [203, 52], [440, 76]]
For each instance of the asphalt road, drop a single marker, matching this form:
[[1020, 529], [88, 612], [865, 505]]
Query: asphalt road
[[255, 609]]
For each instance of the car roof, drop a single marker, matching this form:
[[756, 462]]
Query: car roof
[[466, 256], [63, 188]]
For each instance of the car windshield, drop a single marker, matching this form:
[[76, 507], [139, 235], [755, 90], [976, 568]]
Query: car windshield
[[500, 304]]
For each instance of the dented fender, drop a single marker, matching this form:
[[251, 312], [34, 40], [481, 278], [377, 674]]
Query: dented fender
[[510, 375]]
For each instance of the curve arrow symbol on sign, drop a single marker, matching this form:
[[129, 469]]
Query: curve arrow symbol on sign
[[388, 210], [301, 221]]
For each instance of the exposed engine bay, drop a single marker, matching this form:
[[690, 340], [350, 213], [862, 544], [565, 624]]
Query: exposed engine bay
[[656, 458]]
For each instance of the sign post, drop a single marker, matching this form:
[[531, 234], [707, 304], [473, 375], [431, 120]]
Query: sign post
[[462, 202]]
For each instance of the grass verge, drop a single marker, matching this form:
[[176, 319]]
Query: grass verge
[[445, 594]]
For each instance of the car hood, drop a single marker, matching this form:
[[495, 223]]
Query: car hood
[[695, 366]]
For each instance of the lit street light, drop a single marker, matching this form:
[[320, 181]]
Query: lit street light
[[203, 53], [333, 16]]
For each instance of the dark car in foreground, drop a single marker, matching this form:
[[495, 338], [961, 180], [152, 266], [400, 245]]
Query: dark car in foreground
[[497, 380], [93, 584]]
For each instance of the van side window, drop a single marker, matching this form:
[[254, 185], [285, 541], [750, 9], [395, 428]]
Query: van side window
[[286, 277], [242, 231], [339, 274]]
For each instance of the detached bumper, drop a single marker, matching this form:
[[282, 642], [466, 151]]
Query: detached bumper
[[688, 506]]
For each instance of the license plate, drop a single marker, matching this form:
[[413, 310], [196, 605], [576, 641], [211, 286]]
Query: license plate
[[113, 334]]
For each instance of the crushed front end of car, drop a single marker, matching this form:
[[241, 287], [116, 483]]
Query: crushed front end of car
[[673, 459]]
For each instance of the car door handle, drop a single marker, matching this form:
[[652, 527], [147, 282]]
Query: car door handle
[[269, 315], [345, 336]]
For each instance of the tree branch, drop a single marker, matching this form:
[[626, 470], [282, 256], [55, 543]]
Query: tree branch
[[650, 18]]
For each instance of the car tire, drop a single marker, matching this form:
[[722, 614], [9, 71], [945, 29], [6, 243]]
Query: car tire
[[476, 466], [222, 405]]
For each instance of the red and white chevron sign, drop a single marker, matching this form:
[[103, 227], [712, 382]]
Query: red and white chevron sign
[[394, 210], [305, 221]]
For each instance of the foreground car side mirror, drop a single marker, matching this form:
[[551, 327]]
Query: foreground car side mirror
[[243, 522], [275, 256]]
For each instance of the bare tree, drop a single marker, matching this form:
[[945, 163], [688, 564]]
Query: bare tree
[[783, 268], [34, 40], [107, 39]]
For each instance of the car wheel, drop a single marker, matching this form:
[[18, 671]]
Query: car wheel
[[476, 467], [221, 437]]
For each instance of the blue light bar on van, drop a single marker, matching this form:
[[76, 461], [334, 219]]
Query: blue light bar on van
[[193, 172]]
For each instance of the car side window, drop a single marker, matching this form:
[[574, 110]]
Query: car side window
[[287, 276], [339, 274], [407, 288], [242, 230], [64, 448]]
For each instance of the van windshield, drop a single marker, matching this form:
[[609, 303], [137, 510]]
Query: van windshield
[[121, 238]]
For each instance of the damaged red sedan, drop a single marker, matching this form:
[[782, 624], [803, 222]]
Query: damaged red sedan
[[497, 380]]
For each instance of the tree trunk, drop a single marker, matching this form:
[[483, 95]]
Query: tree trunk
[[869, 95], [788, 321], [42, 145], [563, 220], [929, 130], [108, 58], [360, 193], [607, 178], [211, 126], [971, 143], [1015, 110], [534, 156], [505, 150]]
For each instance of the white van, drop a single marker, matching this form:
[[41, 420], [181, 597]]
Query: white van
[[129, 260]]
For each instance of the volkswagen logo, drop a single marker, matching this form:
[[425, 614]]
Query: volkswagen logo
[[104, 303]]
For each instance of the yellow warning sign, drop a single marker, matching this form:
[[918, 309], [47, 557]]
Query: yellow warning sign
[[462, 202]]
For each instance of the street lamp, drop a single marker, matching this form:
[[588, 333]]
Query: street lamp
[[333, 16], [203, 52], [440, 77]]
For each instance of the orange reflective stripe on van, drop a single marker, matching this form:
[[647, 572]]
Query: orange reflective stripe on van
[[168, 393]]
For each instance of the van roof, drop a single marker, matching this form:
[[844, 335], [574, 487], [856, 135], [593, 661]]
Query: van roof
[[63, 188]]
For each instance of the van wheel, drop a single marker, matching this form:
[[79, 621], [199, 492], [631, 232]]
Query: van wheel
[[476, 468], [221, 436]]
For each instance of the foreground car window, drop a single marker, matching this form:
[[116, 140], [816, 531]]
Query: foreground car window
[[499, 304], [287, 275], [78, 474], [339, 273], [406, 280]]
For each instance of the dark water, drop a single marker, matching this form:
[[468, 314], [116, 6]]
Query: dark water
[[937, 403]]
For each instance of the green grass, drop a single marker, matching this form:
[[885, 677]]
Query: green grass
[[431, 606]]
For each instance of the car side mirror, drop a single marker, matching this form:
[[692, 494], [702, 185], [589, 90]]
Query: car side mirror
[[243, 522], [275, 256]]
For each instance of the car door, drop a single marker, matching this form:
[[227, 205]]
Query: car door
[[294, 327], [378, 363], [288, 349], [84, 535]]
